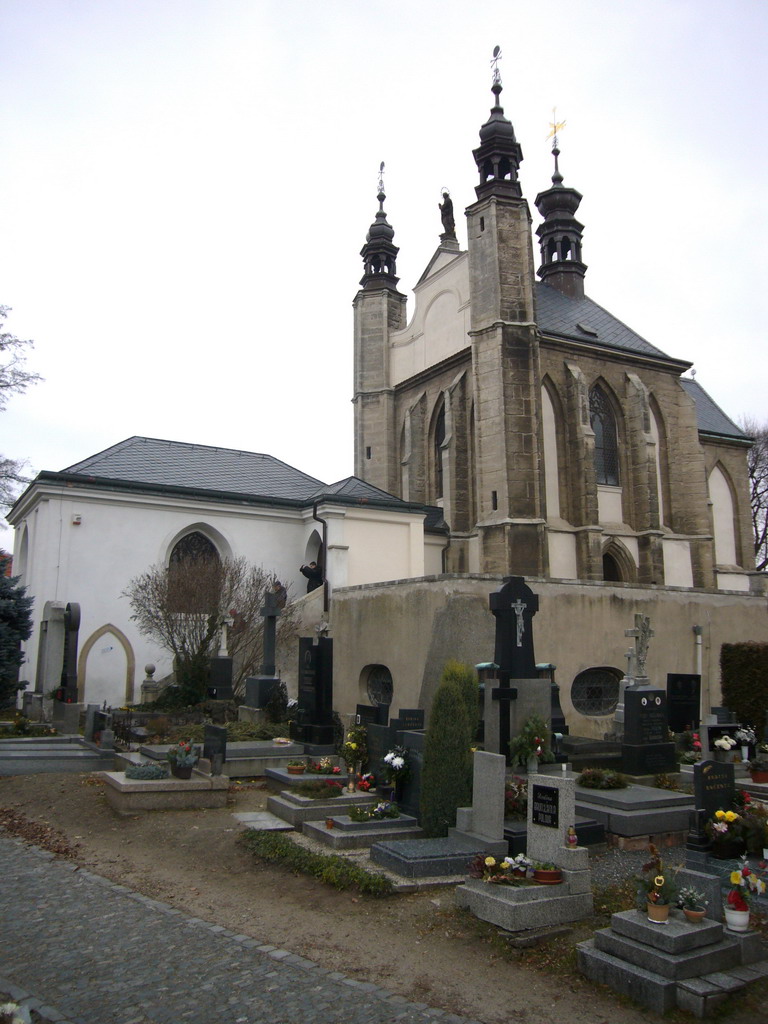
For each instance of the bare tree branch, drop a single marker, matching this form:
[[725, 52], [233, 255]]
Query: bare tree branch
[[757, 466]]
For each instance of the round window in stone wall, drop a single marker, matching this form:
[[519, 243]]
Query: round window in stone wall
[[595, 692], [378, 684]]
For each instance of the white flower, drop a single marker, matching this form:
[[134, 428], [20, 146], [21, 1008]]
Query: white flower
[[388, 757], [397, 762], [725, 743]]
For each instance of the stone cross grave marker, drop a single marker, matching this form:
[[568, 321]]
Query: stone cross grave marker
[[642, 633], [270, 612], [513, 606]]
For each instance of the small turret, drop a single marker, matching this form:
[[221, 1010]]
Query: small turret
[[379, 252], [560, 235], [499, 155]]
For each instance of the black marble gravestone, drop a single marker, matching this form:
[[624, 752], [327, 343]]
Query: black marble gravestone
[[411, 719], [646, 749], [259, 690], [220, 681], [215, 746], [314, 715], [67, 691], [546, 806], [683, 700], [409, 793], [371, 714], [713, 787], [514, 606]]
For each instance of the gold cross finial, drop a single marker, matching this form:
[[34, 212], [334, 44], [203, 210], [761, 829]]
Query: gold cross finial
[[555, 126]]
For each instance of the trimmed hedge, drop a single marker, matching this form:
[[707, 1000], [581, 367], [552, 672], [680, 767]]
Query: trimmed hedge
[[277, 848], [446, 778], [744, 682]]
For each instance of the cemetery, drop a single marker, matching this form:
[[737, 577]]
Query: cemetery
[[485, 793]]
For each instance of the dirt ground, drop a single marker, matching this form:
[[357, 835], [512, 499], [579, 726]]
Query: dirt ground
[[417, 945]]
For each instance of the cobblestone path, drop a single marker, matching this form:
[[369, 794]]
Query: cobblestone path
[[88, 951]]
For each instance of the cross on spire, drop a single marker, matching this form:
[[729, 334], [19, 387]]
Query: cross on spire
[[495, 64]]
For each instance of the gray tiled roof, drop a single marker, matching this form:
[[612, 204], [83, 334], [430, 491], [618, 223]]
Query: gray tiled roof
[[354, 487], [710, 417], [560, 315], [148, 460]]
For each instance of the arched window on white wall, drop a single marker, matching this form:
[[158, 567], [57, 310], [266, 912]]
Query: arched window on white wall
[[551, 479], [722, 518]]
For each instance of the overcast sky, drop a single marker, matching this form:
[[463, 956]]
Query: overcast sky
[[185, 186]]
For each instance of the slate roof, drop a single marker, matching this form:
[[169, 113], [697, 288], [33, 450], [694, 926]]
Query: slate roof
[[710, 417], [566, 317], [200, 467]]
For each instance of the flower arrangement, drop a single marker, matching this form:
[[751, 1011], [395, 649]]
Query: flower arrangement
[[724, 825], [759, 763], [382, 811], [366, 782], [184, 755], [522, 865], [745, 735], [532, 741], [653, 885], [691, 899], [8, 1014], [324, 766], [489, 869], [397, 767], [745, 884], [516, 799], [354, 750], [725, 743]]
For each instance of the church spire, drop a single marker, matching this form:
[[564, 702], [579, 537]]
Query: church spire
[[560, 234], [379, 252], [499, 155]]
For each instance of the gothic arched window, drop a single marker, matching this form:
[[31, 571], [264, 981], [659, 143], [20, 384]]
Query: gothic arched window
[[437, 450], [606, 438], [193, 575]]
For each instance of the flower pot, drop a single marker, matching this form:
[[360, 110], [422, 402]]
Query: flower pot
[[728, 848], [694, 915], [736, 920], [181, 771], [532, 764], [296, 769], [546, 877], [351, 782], [765, 853], [745, 753], [758, 775], [518, 872], [329, 822], [658, 912]]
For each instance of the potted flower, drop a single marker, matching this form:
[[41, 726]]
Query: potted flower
[[745, 884], [489, 869], [758, 766], [745, 737], [655, 890], [724, 745], [547, 874], [532, 746], [182, 758], [354, 751], [692, 903], [296, 767], [366, 782], [725, 829], [521, 865]]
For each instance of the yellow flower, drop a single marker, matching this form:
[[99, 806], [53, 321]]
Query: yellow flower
[[719, 815], [730, 816], [490, 861], [353, 746], [505, 864], [735, 877]]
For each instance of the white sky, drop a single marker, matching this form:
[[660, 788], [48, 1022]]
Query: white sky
[[185, 186]]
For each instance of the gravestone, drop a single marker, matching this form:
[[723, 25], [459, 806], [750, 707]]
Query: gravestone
[[371, 714], [646, 749], [484, 820], [551, 811], [90, 720], [520, 692], [259, 690], [220, 680], [713, 787], [683, 701], [271, 613], [50, 651], [381, 739], [67, 691], [410, 719], [215, 746], [410, 795], [314, 714]]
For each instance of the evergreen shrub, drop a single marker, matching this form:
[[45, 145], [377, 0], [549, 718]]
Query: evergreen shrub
[[446, 778], [744, 682]]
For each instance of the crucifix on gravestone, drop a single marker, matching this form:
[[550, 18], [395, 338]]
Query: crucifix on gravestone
[[513, 607], [271, 612], [642, 634]]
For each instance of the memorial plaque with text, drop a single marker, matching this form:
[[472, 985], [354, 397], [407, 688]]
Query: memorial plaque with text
[[645, 716], [546, 800], [713, 786]]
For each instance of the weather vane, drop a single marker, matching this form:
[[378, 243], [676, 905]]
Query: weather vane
[[556, 127], [381, 176], [495, 64]]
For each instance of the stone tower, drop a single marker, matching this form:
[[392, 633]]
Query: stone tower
[[379, 310], [505, 358]]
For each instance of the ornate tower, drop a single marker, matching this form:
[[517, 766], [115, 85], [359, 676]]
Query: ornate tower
[[379, 309], [560, 235], [505, 357]]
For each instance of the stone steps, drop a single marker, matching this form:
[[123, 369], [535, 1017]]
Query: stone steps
[[357, 835], [678, 964], [37, 755], [296, 809]]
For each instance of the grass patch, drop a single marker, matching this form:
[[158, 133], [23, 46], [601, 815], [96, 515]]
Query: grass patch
[[277, 848]]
